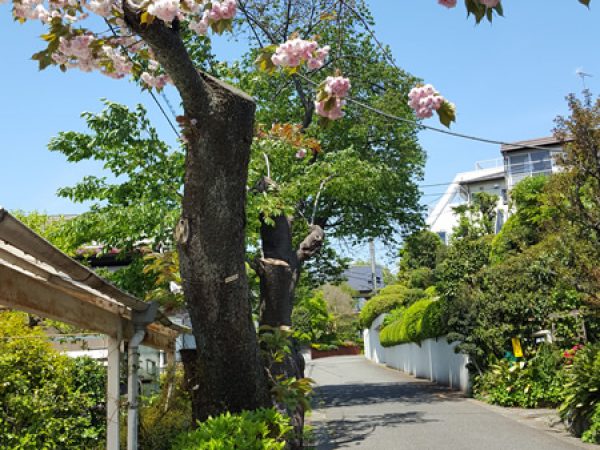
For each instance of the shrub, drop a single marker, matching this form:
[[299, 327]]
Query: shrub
[[580, 408], [387, 300], [422, 320], [393, 316], [536, 382], [393, 334], [433, 324], [392, 289], [263, 429], [413, 320], [592, 434], [312, 322], [421, 278], [48, 400], [165, 416]]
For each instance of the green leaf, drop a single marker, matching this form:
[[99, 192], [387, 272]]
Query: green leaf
[[447, 114], [263, 62]]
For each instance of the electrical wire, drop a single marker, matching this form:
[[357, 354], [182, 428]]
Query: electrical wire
[[427, 127], [160, 107]]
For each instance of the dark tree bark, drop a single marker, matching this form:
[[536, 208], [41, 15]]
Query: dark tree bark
[[279, 271], [226, 371]]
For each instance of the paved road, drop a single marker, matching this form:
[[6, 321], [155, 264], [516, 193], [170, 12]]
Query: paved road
[[363, 405]]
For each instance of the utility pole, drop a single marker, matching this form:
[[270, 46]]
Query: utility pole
[[373, 266]]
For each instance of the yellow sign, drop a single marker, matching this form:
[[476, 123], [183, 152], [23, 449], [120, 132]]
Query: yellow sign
[[517, 350]]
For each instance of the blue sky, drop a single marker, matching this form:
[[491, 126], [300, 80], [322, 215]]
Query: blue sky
[[508, 81]]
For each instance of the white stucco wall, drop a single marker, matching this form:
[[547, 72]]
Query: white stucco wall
[[433, 359]]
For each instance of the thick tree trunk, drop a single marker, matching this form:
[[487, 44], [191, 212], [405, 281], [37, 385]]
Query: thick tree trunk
[[212, 257], [226, 371], [279, 271]]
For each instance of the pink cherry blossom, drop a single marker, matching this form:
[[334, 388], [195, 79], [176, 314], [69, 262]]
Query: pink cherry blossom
[[157, 82], [165, 10], [424, 100], [447, 3], [100, 7], [294, 52], [222, 10], [337, 88]]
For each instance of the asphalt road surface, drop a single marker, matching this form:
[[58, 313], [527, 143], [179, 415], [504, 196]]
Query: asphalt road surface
[[359, 404]]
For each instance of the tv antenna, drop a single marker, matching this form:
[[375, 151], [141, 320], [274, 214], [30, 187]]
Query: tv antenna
[[580, 73]]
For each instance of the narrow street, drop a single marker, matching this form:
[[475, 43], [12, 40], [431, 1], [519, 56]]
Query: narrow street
[[362, 405]]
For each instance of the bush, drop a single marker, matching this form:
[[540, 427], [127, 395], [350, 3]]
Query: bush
[[48, 400], [592, 434], [165, 416], [389, 298], [433, 324], [421, 278], [393, 316], [537, 382], [263, 429], [580, 408], [422, 320], [311, 321]]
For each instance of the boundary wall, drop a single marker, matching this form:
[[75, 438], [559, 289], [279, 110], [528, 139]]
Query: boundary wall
[[432, 359]]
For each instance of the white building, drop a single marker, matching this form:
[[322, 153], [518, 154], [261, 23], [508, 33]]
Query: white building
[[528, 158], [519, 160]]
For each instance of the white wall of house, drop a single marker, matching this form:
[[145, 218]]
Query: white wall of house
[[432, 359], [442, 219]]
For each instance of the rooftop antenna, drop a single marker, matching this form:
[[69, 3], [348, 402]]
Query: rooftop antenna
[[580, 73]]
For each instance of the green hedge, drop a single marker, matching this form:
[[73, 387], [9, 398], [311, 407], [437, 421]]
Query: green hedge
[[422, 320], [390, 297]]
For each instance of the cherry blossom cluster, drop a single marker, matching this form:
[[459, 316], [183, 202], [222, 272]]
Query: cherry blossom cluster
[[424, 100], [452, 3], [296, 51], [36, 10], [218, 11], [330, 99], [109, 54]]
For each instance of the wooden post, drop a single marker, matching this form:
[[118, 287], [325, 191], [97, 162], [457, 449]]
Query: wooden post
[[113, 391]]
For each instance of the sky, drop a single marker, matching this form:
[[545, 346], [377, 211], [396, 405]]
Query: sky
[[508, 81]]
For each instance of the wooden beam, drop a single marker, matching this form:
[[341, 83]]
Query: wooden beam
[[27, 293]]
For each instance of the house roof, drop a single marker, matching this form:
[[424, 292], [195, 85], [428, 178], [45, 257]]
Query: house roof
[[360, 278], [549, 141]]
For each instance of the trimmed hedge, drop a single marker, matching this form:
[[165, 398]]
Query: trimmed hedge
[[422, 320], [390, 297]]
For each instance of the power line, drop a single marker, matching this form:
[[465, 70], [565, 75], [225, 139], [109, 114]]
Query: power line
[[160, 107], [384, 49], [428, 127], [390, 58]]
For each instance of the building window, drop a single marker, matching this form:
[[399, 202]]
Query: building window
[[541, 162], [538, 162], [150, 367]]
